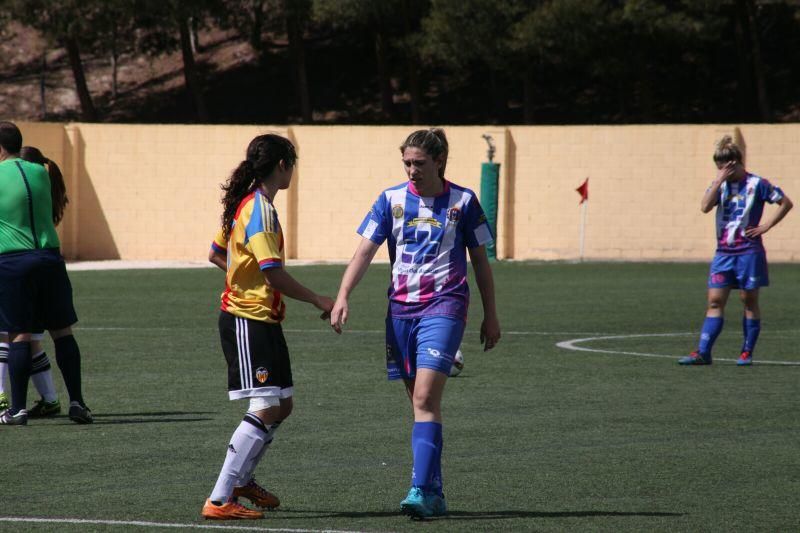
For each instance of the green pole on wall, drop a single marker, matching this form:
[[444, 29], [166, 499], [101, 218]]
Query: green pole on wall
[[490, 178]]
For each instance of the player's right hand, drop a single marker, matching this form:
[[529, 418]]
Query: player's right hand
[[726, 172], [339, 315]]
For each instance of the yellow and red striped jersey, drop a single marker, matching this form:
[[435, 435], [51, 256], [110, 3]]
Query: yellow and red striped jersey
[[255, 244]]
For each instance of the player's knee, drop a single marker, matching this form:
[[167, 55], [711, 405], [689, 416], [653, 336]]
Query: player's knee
[[424, 403], [715, 303], [749, 299], [287, 405]]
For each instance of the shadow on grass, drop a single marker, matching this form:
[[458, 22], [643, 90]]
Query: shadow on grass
[[163, 417], [159, 413], [479, 515]]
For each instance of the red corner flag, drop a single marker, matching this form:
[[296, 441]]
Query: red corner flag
[[583, 190]]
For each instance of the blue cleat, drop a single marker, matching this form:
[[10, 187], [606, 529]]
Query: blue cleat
[[746, 359], [436, 504], [695, 358], [416, 505]]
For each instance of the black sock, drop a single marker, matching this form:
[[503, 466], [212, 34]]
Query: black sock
[[19, 366], [68, 357]]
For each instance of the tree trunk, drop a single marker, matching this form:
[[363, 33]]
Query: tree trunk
[[384, 75], [194, 34], [114, 66], [42, 84], [414, 84], [744, 87], [294, 32], [748, 10], [190, 72], [258, 25], [88, 112], [528, 88]]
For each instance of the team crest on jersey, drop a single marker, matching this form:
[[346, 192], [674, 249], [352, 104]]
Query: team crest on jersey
[[453, 214], [262, 374], [397, 211]]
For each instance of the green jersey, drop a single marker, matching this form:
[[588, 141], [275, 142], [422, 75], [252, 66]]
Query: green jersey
[[26, 207]]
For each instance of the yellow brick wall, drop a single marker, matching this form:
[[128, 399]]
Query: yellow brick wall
[[645, 188], [343, 169], [152, 191]]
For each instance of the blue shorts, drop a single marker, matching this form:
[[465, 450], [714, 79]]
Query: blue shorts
[[427, 342], [35, 292], [746, 271]]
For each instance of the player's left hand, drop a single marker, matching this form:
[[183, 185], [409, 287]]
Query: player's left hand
[[490, 332], [756, 231]]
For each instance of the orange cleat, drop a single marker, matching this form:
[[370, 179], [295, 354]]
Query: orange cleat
[[229, 511], [257, 495]]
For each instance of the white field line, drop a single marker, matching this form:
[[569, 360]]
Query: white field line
[[137, 523], [572, 345]]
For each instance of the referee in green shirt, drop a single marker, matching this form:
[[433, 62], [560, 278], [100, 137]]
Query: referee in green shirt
[[35, 291]]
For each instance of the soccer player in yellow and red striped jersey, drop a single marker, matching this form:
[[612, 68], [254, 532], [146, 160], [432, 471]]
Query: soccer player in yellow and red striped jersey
[[249, 248], [256, 244]]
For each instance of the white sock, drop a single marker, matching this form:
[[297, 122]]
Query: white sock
[[246, 444], [250, 467], [3, 366], [43, 379]]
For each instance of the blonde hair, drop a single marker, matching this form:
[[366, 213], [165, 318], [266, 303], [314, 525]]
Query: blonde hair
[[727, 150], [433, 141]]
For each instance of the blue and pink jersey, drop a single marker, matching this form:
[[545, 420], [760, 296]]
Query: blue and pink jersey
[[427, 240], [740, 206]]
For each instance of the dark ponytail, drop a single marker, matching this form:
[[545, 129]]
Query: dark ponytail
[[58, 190], [263, 155]]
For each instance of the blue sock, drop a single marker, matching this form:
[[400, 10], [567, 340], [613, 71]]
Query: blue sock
[[68, 357], [438, 481], [426, 453], [751, 327], [19, 366], [712, 326]]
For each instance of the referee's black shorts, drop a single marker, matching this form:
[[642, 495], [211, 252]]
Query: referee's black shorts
[[35, 291], [257, 357]]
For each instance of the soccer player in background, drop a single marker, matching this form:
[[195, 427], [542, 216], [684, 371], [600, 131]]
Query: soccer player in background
[[429, 224], [740, 261], [35, 292], [250, 248]]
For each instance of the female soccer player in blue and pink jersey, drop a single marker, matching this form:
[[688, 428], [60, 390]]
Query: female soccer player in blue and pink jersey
[[429, 224], [740, 261]]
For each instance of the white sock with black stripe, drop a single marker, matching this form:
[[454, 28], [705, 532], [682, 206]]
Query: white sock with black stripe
[[42, 377], [250, 467], [3, 366], [246, 444]]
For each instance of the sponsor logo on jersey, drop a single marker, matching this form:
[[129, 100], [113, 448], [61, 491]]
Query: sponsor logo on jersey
[[397, 211], [232, 449], [453, 214], [262, 374], [423, 220]]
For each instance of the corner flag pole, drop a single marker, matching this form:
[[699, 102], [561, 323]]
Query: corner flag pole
[[583, 190]]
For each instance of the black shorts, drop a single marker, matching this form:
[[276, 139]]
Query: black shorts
[[35, 292], [257, 356]]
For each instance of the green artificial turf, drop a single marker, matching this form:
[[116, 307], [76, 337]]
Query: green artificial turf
[[537, 437]]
